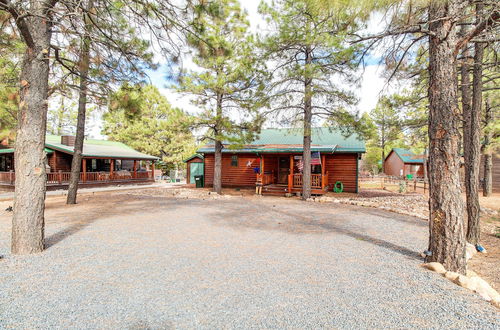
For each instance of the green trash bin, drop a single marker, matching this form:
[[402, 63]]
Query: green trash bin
[[409, 176], [199, 181]]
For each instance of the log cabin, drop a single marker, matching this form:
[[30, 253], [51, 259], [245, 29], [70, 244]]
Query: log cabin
[[103, 163], [401, 162], [273, 162]]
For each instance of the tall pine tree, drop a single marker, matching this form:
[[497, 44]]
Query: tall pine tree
[[228, 83]]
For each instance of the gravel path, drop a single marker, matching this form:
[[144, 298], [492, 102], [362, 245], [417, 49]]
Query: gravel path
[[138, 261]]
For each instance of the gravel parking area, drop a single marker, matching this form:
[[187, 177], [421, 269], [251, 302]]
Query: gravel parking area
[[138, 260]]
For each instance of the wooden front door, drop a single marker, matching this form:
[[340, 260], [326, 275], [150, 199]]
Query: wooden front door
[[283, 170]]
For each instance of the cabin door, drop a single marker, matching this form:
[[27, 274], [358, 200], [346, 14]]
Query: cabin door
[[195, 169], [283, 170]]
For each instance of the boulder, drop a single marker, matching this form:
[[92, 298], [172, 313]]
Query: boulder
[[451, 275], [466, 282], [470, 251], [435, 267], [471, 273], [485, 290]]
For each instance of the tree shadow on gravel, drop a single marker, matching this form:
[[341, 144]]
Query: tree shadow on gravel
[[117, 206], [295, 223]]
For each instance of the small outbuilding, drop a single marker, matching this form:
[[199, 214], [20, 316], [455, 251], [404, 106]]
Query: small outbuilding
[[402, 162]]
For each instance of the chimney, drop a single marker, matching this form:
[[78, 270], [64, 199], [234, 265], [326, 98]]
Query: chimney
[[68, 140]]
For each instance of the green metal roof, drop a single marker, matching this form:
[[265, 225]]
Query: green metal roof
[[11, 151], [98, 148], [193, 156], [6, 151], [284, 140], [407, 156]]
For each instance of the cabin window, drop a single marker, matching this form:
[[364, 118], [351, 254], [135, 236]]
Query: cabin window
[[234, 160]]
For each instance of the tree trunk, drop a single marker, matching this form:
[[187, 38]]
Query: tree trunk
[[218, 151], [446, 225], [82, 113], [306, 155], [218, 167], [473, 161], [30, 158], [488, 157]]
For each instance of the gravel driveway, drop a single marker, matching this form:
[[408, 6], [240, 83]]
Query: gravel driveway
[[139, 261]]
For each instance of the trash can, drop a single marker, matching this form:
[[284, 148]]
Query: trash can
[[199, 181], [409, 176]]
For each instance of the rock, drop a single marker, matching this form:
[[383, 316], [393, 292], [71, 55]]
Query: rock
[[466, 282], [496, 303], [435, 267], [471, 273], [470, 251], [485, 290], [451, 275], [310, 199]]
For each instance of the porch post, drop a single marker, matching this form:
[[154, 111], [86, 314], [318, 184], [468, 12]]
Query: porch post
[[261, 176], [111, 168], [323, 165], [135, 169], [153, 170], [84, 167], [290, 176]]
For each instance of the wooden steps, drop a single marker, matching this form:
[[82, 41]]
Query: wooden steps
[[274, 190]]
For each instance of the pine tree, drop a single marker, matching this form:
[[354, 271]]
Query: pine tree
[[142, 118], [228, 84], [308, 47]]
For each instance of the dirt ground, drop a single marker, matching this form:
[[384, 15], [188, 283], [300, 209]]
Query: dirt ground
[[98, 204], [158, 258]]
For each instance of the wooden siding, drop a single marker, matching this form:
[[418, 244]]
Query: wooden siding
[[233, 176], [342, 167], [59, 161], [188, 168], [393, 165]]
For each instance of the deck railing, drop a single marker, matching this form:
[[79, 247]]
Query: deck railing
[[60, 177], [316, 180]]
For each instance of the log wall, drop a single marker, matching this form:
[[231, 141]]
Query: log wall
[[233, 176], [342, 167]]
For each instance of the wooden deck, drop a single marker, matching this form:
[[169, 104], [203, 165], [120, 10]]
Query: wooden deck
[[60, 180]]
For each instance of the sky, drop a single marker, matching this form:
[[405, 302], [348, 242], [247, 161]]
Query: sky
[[371, 86]]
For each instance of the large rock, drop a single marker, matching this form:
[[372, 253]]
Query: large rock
[[435, 267], [485, 290], [452, 276], [467, 282], [470, 251]]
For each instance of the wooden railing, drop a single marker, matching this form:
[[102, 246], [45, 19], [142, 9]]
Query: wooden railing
[[7, 177], [64, 177], [318, 181]]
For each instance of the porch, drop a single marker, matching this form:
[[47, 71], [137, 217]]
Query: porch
[[282, 174], [94, 172]]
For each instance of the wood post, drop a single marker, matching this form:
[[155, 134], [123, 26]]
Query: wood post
[[60, 176], [135, 169], [290, 175], [153, 170], [84, 168], [111, 169], [323, 163]]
